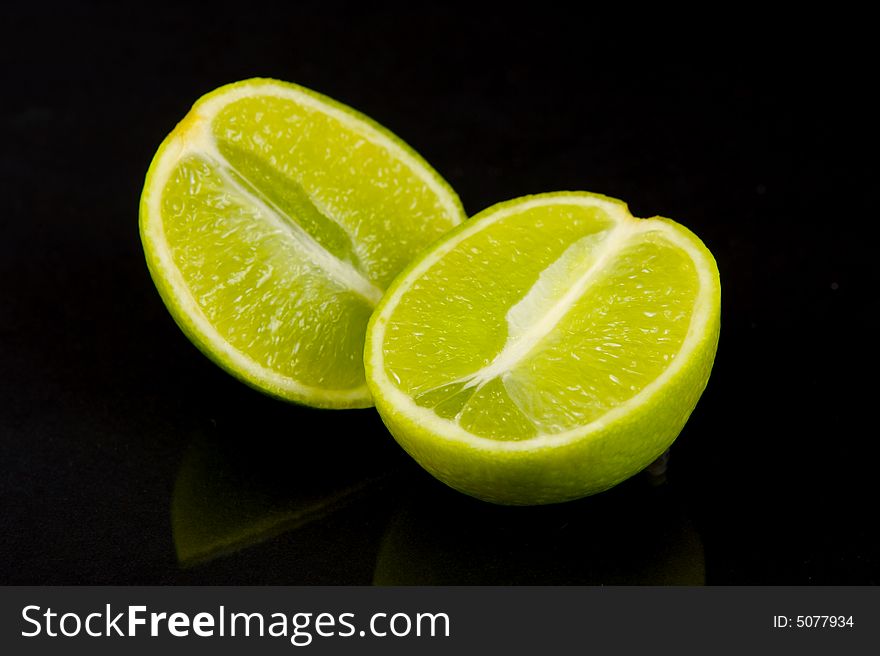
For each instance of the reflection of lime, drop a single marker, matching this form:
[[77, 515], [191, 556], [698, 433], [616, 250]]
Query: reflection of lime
[[635, 535], [233, 493], [272, 219], [547, 349]]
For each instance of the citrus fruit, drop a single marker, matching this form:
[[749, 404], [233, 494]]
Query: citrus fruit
[[547, 349], [272, 219]]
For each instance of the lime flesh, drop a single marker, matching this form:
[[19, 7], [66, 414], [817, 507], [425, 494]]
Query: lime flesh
[[272, 219], [546, 350]]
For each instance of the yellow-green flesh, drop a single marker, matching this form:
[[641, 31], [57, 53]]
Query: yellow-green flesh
[[505, 287], [287, 225]]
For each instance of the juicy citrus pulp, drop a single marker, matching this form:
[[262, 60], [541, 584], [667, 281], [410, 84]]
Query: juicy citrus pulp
[[272, 219], [547, 349]]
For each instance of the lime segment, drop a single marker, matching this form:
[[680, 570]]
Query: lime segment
[[547, 349], [273, 219]]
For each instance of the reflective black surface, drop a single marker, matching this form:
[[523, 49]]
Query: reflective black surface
[[127, 457]]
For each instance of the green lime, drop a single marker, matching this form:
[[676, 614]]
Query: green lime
[[547, 349], [272, 219]]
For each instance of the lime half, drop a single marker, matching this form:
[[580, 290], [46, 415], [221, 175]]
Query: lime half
[[547, 349], [272, 219]]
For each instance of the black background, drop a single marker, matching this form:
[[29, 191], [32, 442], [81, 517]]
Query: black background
[[118, 440]]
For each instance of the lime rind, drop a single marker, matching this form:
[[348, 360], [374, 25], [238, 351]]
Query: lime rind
[[574, 463], [192, 135]]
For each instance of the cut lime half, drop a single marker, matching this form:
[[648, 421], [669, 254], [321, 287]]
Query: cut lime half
[[272, 219], [547, 349]]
